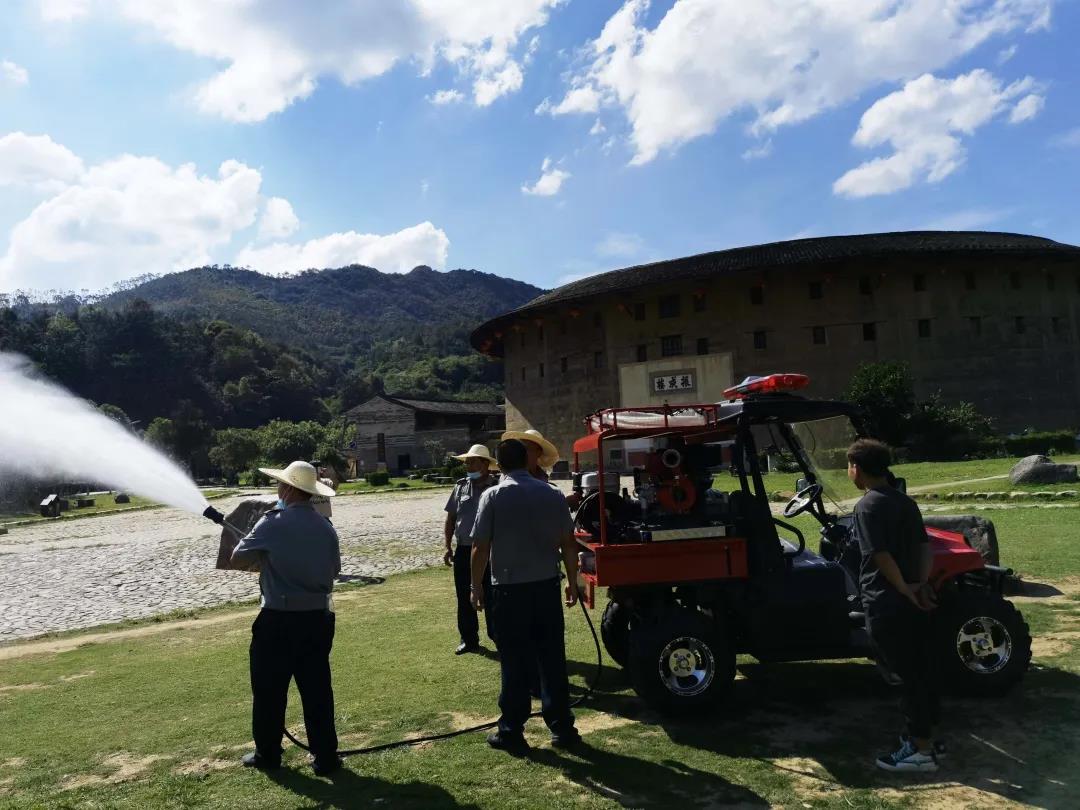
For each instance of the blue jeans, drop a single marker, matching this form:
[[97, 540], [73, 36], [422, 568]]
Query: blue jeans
[[528, 621]]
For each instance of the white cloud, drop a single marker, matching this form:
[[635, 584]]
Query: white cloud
[[446, 97], [598, 128], [133, 215], [13, 75], [781, 62], [1027, 108], [392, 253], [584, 99], [37, 161], [63, 10], [129, 216], [425, 186], [275, 53], [619, 245], [1005, 54], [1067, 139], [551, 180], [923, 123], [278, 220], [762, 150]]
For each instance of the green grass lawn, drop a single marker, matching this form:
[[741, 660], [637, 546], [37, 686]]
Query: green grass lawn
[[363, 487], [160, 721], [103, 505]]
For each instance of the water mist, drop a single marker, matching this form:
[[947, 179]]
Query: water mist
[[46, 433]]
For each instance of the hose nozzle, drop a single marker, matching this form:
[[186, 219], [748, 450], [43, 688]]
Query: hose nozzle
[[214, 515]]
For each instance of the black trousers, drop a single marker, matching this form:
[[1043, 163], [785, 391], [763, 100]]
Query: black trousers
[[467, 624], [903, 640], [528, 622], [287, 645]]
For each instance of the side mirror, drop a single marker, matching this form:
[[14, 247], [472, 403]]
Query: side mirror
[[801, 484], [901, 484]]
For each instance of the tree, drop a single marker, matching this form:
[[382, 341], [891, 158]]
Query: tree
[[283, 442], [234, 450], [162, 434], [436, 451], [943, 431], [116, 414], [886, 393]]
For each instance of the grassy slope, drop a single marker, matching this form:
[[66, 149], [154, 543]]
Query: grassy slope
[[797, 735]]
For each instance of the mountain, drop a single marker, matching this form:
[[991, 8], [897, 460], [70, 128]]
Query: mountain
[[339, 313]]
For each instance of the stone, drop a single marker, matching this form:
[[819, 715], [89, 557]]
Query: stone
[[243, 517], [1041, 470], [1068, 493], [978, 531], [122, 497]]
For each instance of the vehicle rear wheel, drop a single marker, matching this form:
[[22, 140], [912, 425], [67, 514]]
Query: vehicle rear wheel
[[615, 632], [680, 662], [983, 644]]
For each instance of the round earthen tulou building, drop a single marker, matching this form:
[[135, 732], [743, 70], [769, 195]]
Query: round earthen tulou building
[[991, 318]]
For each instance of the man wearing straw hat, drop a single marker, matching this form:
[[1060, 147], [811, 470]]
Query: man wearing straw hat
[[299, 556], [460, 513], [542, 454]]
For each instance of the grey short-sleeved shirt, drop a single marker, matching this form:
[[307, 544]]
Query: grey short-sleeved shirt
[[299, 556], [462, 504], [524, 520]]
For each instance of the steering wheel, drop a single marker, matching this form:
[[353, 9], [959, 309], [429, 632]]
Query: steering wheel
[[803, 500]]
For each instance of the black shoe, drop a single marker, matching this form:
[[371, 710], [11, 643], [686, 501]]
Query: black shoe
[[463, 648], [567, 742], [257, 760], [941, 750], [513, 744], [325, 767]]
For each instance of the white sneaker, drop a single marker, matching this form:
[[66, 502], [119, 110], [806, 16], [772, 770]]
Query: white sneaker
[[908, 758]]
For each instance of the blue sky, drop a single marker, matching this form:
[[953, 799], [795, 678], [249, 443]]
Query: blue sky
[[537, 139]]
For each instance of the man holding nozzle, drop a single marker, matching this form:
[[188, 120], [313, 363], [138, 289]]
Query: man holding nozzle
[[299, 556], [522, 525]]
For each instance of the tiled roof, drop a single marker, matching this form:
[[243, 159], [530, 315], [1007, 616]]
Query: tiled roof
[[460, 408], [794, 253]]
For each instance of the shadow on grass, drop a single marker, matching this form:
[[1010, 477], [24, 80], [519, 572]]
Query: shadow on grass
[[346, 789], [358, 580], [1022, 747], [1039, 590], [634, 782]]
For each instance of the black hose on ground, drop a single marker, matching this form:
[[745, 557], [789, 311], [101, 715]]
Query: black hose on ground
[[589, 687]]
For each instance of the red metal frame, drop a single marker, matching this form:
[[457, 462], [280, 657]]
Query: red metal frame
[[645, 563]]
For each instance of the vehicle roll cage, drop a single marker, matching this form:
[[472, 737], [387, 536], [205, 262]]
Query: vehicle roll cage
[[705, 423]]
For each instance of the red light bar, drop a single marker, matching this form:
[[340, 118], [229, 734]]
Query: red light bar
[[772, 384]]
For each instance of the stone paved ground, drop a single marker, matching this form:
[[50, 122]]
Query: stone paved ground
[[80, 573]]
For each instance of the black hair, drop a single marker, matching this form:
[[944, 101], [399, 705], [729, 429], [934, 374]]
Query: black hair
[[512, 455], [870, 456]]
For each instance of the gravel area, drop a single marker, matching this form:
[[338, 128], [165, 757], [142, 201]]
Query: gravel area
[[71, 574]]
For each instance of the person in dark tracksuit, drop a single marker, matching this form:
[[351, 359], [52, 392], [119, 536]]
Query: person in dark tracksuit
[[521, 527], [460, 514], [897, 599], [299, 556]]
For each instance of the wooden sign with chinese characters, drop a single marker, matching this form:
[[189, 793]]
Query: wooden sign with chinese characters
[[680, 382]]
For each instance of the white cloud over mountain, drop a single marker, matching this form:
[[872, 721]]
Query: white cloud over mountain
[[276, 53]]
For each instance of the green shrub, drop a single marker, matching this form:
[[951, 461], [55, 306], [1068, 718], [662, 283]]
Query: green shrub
[[378, 478], [1047, 442]]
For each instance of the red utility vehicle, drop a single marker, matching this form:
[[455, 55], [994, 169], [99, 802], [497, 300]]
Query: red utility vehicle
[[697, 572]]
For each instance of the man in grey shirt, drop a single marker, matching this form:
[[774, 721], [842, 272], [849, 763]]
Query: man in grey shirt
[[521, 525], [299, 556]]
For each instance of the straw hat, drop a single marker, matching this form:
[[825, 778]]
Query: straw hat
[[479, 451], [301, 475], [548, 453]]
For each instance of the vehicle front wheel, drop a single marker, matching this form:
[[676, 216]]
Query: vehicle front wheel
[[680, 662], [983, 645]]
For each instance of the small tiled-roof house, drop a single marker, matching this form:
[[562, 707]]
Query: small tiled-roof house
[[393, 431]]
